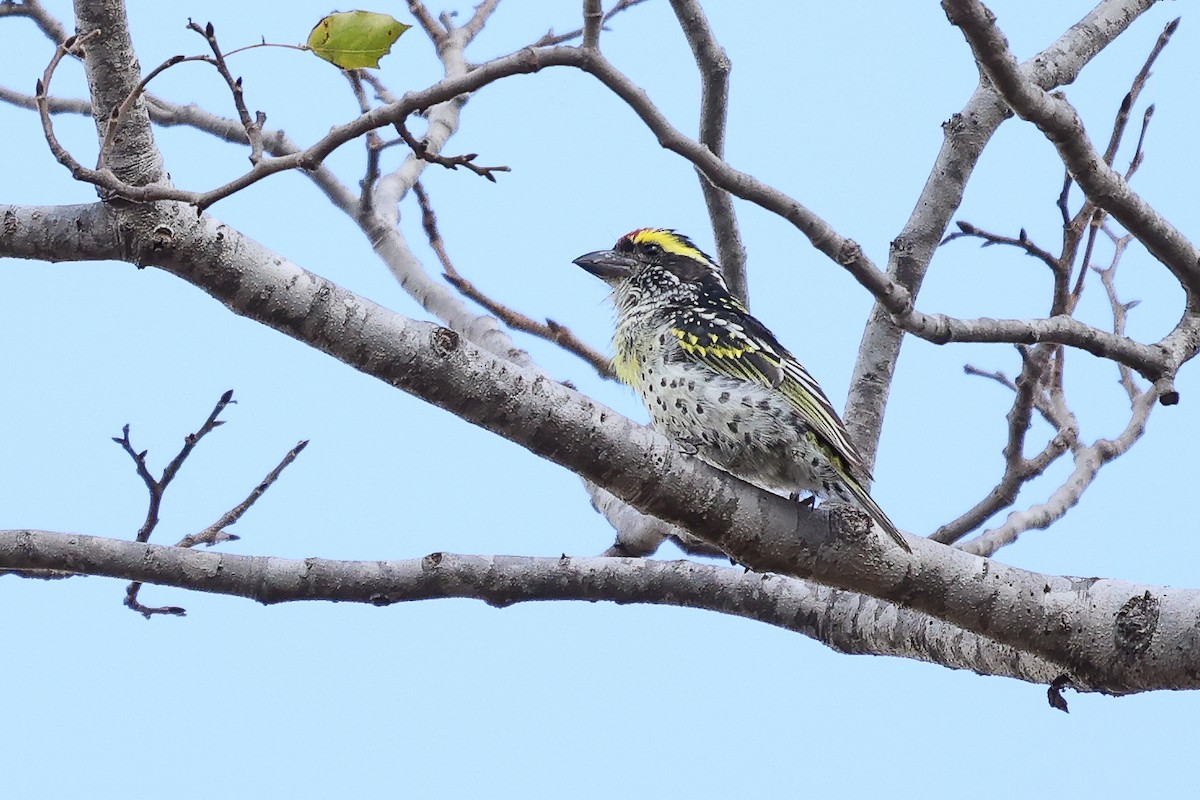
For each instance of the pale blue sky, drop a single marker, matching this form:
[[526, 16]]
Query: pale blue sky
[[839, 105]]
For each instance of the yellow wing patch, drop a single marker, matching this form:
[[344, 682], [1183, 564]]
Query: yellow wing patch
[[690, 343]]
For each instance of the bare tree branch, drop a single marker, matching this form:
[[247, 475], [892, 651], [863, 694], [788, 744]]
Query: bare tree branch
[[1071, 625], [967, 133], [46, 22], [1088, 462], [552, 38], [1057, 119], [503, 581], [421, 151], [1022, 241], [216, 533], [593, 18], [714, 66], [156, 486], [253, 126], [433, 29], [1139, 83], [550, 330]]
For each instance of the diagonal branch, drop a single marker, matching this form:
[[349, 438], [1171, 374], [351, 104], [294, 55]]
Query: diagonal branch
[[1057, 119], [1088, 462], [216, 533], [714, 66], [550, 330]]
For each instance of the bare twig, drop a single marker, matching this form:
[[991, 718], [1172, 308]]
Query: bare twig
[[133, 604], [156, 487], [1138, 153], [383, 93], [34, 10], [374, 145], [1022, 241], [449, 162], [551, 38], [1018, 470], [216, 533], [119, 113], [1139, 82], [253, 126], [69, 46], [213, 534], [550, 330], [474, 25], [1088, 462], [1120, 310]]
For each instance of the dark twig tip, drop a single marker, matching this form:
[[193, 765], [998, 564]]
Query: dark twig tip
[[1169, 398], [1054, 693]]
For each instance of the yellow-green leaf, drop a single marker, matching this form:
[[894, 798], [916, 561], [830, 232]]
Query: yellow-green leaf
[[354, 39]]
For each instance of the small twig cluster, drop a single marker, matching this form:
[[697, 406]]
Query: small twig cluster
[[252, 132], [213, 534]]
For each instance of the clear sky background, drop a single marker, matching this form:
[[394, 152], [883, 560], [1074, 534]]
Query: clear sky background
[[838, 104]]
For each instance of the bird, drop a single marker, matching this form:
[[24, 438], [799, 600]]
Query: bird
[[716, 380]]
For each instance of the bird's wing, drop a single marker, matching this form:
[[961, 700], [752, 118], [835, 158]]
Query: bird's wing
[[732, 342]]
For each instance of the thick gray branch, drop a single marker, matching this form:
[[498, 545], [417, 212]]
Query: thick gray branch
[[878, 628], [113, 74]]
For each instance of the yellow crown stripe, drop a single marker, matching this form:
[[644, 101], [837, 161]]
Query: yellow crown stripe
[[669, 241]]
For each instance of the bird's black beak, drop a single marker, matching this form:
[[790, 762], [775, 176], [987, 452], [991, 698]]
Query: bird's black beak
[[607, 265]]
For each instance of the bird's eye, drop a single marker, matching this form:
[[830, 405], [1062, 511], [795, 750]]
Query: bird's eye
[[652, 249]]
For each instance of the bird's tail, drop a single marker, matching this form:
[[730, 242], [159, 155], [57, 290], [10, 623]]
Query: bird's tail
[[867, 504]]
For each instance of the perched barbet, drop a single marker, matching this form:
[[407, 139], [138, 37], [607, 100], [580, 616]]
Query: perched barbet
[[717, 381]]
